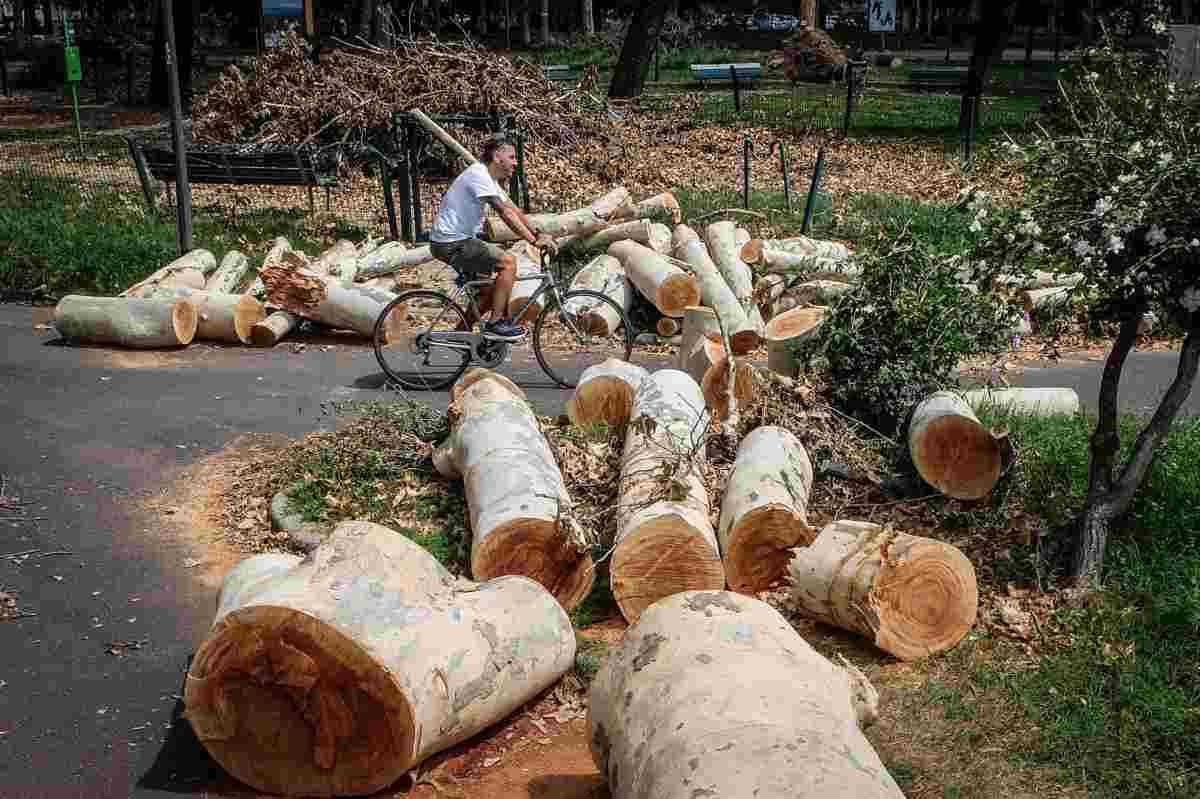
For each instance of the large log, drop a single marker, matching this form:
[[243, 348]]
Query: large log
[[741, 237], [785, 332], [663, 207], [221, 317], [273, 329], [274, 258], [610, 203], [951, 450], [135, 322], [714, 694], [529, 262], [702, 338], [764, 511], [664, 284], [1042, 299], [580, 222], [186, 271], [336, 674], [715, 291], [521, 513], [665, 542], [681, 235], [776, 294], [229, 275], [1025, 401], [752, 251], [346, 306], [603, 274], [391, 258], [911, 596], [1040, 280], [724, 252], [642, 231], [715, 382], [324, 263], [605, 394]]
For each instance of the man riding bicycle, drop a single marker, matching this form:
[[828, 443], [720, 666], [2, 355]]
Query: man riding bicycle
[[454, 238]]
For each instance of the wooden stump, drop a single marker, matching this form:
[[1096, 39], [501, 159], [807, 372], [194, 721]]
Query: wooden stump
[[229, 275], [134, 322], [785, 332], [605, 275], [665, 542], [912, 597], [336, 674], [714, 694], [716, 293], [605, 393], [221, 317], [1028, 401], [665, 285], [764, 512], [952, 451], [323, 299], [521, 513], [186, 271]]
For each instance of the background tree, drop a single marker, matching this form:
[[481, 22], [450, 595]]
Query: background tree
[[638, 48], [184, 12], [587, 16]]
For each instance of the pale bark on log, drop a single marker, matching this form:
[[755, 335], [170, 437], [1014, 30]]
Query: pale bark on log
[[608, 204], [580, 222], [911, 596], [681, 235], [605, 394], [811, 267], [274, 257], [222, 317], [665, 285], [660, 238], [715, 694], [186, 271], [665, 542], [1025, 401], [639, 230], [724, 252], [385, 283], [774, 295], [785, 332], [273, 329], [443, 136], [603, 274], [134, 322], [752, 251], [529, 262], [741, 237], [663, 207], [951, 449], [716, 293], [701, 336], [338, 673], [323, 264], [1041, 299], [1040, 280], [764, 511], [229, 275], [346, 306], [391, 258], [521, 515]]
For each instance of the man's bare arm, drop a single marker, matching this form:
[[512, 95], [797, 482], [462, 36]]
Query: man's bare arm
[[516, 221]]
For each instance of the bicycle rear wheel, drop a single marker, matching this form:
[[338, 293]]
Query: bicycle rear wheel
[[587, 328], [430, 345]]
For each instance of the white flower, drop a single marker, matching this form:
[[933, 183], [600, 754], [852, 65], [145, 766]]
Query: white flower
[[1136, 149], [1026, 214], [1039, 248], [1191, 299], [1102, 206], [1010, 238], [1093, 76], [1193, 243], [1115, 244], [1126, 178], [975, 226], [1081, 248], [1159, 26], [1165, 159], [1155, 236]]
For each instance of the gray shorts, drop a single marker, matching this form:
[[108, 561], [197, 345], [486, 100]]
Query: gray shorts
[[469, 257]]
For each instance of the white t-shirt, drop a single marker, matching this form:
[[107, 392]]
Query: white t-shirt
[[463, 206]]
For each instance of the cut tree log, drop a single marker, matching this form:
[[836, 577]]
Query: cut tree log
[[663, 207], [603, 274], [273, 329], [444, 137], [715, 694], [611, 202], [951, 449], [1040, 280], [680, 236], [1043, 299], [1025, 401], [529, 262], [665, 542], [664, 284], [274, 257], [776, 294], [605, 394], [700, 345], [221, 317], [752, 251], [785, 332], [229, 275], [346, 306], [134, 322], [741, 237], [667, 326], [392, 258], [716, 293], [580, 222], [811, 267], [186, 271], [715, 382], [724, 252], [764, 511], [324, 263], [640, 230], [660, 238], [521, 513], [338, 673], [911, 596], [385, 283]]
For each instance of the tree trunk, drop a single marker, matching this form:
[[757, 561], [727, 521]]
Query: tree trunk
[[337, 673], [521, 513], [526, 28], [912, 597], [229, 275], [20, 32], [587, 14], [545, 29], [273, 329], [995, 25], [785, 332], [637, 49], [725, 254], [952, 451], [653, 235], [137, 323], [764, 512], [715, 694], [605, 275], [758, 251], [392, 258], [580, 222], [665, 542], [662, 207], [605, 394], [323, 299], [330, 261], [716, 294], [528, 263], [222, 317], [1025, 401], [808, 13], [188, 270], [1045, 298], [668, 287]]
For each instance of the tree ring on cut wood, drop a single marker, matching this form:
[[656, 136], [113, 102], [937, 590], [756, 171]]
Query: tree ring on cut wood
[[952, 451], [535, 549], [662, 556], [926, 600]]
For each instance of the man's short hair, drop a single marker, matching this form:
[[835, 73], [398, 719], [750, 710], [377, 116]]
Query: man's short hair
[[492, 146]]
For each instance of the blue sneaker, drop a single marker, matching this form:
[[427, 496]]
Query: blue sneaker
[[503, 330]]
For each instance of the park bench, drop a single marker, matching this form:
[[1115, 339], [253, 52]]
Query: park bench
[[738, 73], [562, 71], [937, 78], [274, 167]]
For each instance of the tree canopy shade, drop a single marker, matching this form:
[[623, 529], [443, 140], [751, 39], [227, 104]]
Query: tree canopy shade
[[630, 73]]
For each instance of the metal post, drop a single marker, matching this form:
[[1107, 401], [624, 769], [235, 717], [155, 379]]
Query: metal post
[[183, 188], [414, 173], [737, 94], [787, 182], [812, 191], [972, 118], [747, 146], [523, 184], [406, 226], [656, 77], [139, 163], [3, 74]]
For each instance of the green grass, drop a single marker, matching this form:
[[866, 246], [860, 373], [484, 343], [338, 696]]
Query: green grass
[[770, 206]]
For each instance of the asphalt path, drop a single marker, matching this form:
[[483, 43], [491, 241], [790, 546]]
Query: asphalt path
[[89, 435]]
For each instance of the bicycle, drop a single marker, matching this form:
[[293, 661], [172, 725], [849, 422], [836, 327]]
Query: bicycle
[[424, 341]]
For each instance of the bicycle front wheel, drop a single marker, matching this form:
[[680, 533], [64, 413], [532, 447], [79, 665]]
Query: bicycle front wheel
[[587, 328], [422, 340]]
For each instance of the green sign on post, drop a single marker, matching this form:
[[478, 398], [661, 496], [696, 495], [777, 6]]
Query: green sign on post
[[73, 70]]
